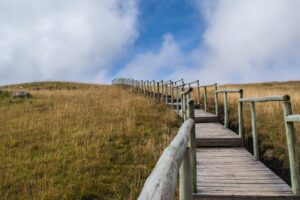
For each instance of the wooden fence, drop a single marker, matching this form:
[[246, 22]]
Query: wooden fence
[[181, 153]]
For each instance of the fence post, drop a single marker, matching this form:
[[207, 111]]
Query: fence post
[[167, 93], [198, 92], [192, 144], [205, 98], [216, 104], [185, 181], [291, 138], [177, 100], [182, 102], [254, 134], [225, 111], [241, 117], [172, 95]]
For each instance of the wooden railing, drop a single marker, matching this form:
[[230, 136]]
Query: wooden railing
[[178, 158], [181, 152], [291, 137], [225, 92], [205, 94]]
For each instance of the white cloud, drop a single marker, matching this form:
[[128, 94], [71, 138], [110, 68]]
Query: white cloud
[[155, 65], [64, 40], [243, 41], [252, 40]]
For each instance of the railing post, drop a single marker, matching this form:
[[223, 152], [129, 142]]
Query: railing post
[[216, 104], [291, 138], [198, 92], [241, 117], [177, 100], [254, 134], [158, 94], [182, 102], [192, 144], [167, 94], [205, 98], [162, 91], [185, 181], [172, 95], [225, 111]]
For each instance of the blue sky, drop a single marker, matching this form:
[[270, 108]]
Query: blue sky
[[224, 41]]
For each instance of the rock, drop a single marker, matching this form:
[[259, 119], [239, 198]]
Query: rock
[[21, 94]]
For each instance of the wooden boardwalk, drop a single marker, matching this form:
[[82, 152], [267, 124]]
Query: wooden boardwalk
[[213, 163], [225, 170]]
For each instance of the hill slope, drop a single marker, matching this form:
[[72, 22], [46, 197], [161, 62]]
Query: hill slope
[[78, 141]]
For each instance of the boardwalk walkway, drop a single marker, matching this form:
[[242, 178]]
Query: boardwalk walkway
[[225, 170], [214, 165]]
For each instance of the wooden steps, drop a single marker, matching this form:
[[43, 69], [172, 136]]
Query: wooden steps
[[226, 170], [204, 117], [215, 135]]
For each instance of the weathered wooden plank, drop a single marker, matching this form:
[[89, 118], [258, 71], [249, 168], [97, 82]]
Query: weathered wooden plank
[[243, 197], [235, 172], [215, 135]]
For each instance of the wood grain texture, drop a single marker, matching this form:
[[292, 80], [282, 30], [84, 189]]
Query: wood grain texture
[[215, 135], [229, 172]]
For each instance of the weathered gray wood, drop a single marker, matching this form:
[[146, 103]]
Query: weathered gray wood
[[291, 138], [293, 118], [241, 117], [243, 197], [229, 91], [254, 134], [215, 135], [230, 172], [161, 183], [192, 144], [185, 177], [266, 99], [226, 121], [198, 93], [205, 98]]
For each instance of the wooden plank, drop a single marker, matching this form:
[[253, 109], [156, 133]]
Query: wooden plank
[[229, 172], [243, 197], [215, 135]]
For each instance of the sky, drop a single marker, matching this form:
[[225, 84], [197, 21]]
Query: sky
[[94, 41]]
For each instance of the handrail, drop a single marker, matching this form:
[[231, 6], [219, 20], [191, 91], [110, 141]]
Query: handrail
[[205, 95], [210, 85], [291, 135], [267, 99], [192, 82], [178, 81], [240, 107], [293, 118], [229, 91], [167, 82], [161, 184]]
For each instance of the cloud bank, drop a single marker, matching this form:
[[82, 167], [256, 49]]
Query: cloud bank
[[243, 41], [64, 40]]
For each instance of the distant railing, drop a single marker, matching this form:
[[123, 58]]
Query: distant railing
[[205, 94], [225, 92]]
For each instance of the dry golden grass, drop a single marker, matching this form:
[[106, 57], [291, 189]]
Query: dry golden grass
[[270, 121], [76, 141]]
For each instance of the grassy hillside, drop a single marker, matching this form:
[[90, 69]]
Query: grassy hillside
[[78, 141], [270, 124]]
